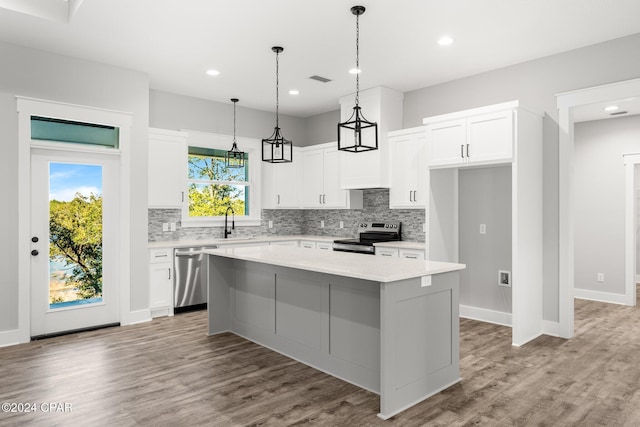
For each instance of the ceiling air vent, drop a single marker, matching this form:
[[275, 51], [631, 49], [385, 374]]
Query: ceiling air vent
[[617, 113], [320, 79]]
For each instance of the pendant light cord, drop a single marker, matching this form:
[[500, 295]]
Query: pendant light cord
[[234, 123], [357, 59], [277, 87]]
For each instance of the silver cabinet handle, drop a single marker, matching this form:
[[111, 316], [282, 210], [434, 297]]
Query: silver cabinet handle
[[462, 151], [169, 273], [278, 199], [468, 155], [410, 193], [182, 196], [324, 199], [320, 198]]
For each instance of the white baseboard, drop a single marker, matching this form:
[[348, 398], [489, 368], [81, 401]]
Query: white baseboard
[[138, 316], [485, 315], [551, 328], [8, 338], [599, 296]]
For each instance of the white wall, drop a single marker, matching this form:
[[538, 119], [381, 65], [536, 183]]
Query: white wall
[[485, 198], [599, 174], [176, 112], [37, 74]]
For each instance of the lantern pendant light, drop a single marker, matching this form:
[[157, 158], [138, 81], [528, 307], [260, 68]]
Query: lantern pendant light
[[234, 158], [277, 149], [357, 134]]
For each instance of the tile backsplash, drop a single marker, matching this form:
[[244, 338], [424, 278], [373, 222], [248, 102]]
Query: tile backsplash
[[300, 221]]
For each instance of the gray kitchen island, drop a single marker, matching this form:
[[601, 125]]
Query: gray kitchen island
[[387, 325]]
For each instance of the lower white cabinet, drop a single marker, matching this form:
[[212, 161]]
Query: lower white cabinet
[[161, 282], [388, 252], [311, 244], [325, 246], [411, 254]]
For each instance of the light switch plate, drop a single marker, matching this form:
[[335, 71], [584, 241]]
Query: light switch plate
[[483, 228], [165, 226], [321, 224], [270, 224]]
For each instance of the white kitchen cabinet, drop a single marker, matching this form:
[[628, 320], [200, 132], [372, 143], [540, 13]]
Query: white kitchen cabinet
[[411, 254], [370, 169], [387, 252], [161, 282], [409, 178], [307, 244], [324, 246], [314, 244], [281, 184], [321, 180], [166, 172], [483, 137]]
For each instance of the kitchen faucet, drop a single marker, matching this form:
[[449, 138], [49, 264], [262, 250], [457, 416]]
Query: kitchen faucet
[[233, 221]]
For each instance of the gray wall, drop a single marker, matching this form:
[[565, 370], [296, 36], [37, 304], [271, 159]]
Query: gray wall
[[175, 112], [37, 74], [323, 127], [485, 198], [600, 200]]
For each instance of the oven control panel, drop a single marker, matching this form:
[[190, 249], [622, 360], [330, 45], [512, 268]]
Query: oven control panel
[[379, 226]]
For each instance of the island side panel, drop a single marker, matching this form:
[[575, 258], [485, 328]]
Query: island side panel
[[419, 340], [221, 276]]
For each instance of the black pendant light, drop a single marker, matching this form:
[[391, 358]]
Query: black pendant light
[[357, 134], [234, 158], [277, 149]]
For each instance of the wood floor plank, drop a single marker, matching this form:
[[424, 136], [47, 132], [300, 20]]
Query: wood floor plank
[[168, 372]]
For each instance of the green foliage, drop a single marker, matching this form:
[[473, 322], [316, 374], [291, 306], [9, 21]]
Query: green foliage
[[75, 232], [212, 199]]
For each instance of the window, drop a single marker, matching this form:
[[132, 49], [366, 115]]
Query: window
[[58, 130], [212, 187]]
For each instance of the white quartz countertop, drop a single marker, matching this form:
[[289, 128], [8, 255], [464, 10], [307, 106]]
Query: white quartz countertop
[[191, 243], [358, 266]]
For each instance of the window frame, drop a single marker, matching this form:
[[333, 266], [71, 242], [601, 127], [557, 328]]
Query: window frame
[[223, 142]]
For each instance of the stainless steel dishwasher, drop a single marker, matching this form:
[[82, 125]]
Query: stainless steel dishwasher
[[190, 286]]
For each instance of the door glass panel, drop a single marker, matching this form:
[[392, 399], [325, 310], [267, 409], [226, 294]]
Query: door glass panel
[[75, 234]]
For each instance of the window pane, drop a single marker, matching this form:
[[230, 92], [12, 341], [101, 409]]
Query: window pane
[[208, 164], [48, 129], [214, 199]]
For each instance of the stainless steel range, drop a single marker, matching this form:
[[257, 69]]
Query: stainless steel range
[[368, 234]]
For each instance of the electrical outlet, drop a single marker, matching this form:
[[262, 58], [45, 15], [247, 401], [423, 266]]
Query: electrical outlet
[[172, 226], [270, 224], [483, 228], [504, 278], [321, 224], [341, 224], [165, 226], [601, 277]]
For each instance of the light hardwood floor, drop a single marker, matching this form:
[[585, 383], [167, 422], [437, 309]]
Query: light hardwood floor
[[169, 373]]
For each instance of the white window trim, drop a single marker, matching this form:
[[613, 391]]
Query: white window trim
[[224, 142]]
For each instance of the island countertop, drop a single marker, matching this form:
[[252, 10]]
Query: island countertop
[[358, 266]]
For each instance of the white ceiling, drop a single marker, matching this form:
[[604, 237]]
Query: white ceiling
[[175, 42]]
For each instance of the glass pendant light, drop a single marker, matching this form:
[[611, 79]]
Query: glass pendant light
[[357, 134], [234, 158], [277, 149]]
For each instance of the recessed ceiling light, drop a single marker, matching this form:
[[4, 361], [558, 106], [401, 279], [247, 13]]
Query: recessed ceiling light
[[294, 92], [445, 41], [355, 71], [611, 108], [213, 72]]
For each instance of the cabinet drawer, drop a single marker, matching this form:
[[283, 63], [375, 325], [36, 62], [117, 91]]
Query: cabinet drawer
[[388, 252], [307, 244], [160, 255], [325, 246], [412, 254]]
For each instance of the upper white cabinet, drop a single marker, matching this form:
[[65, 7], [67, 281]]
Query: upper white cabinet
[[481, 136], [408, 178], [321, 179], [370, 169], [167, 160], [281, 184]]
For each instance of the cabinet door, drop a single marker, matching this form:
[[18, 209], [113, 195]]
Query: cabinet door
[[490, 138], [287, 184], [167, 163], [388, 252], [160, 285], [312, 178], [325, 246], [447, 143], [333, 195], [412, 254], [268, 186], [404, 171], [421, 195], [307, 244]]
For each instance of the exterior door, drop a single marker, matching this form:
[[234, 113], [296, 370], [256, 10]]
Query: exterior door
[[74, 236]]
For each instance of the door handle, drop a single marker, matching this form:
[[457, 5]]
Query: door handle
[[468, 155], [324, 199], [462, 151], [35, 252], [278, 199], [410, 195], [168, 269], [320, 199]]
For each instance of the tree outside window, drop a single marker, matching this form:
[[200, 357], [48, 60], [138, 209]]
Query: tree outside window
[[213, 187]]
